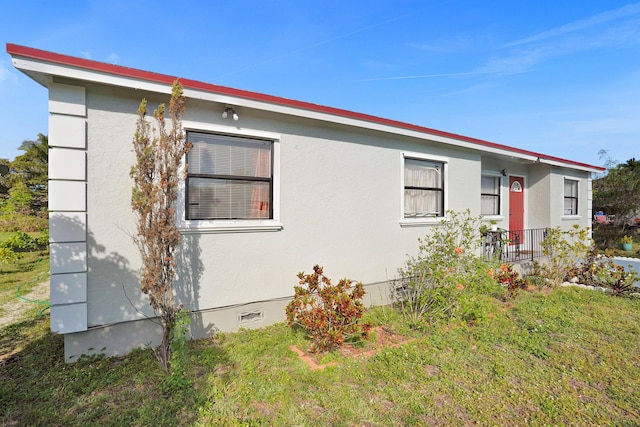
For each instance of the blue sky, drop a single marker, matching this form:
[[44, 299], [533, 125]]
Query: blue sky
[[557, 77]]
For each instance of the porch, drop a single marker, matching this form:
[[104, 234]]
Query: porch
[[514, 246]]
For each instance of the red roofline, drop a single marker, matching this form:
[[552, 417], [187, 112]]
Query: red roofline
[[88, 64]]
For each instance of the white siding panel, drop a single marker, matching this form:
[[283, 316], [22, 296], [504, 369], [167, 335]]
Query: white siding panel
[[67, 196], [67, 227], [67, 99], [68, 288], [67, 164], [67, 131], [68, 257], [69, 318]]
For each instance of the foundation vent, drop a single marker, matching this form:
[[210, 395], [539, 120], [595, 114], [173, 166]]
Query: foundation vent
[[251, 316]]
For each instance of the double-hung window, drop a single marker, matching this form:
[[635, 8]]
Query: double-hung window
[[423, 188], [570, 197], [229, 178], [490, 195]]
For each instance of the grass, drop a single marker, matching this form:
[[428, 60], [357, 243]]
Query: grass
[[31, 265], [565, 357]]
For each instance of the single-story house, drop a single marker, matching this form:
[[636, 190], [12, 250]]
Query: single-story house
[[274, 186]]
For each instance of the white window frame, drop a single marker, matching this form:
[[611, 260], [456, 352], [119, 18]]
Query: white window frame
[[577, 182], [239, 225], [493, 174], [411, 222]]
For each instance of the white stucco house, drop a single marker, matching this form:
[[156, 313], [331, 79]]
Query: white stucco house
[[285, 186]]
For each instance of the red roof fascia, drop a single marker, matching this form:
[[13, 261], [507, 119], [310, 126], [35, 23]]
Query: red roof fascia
[[102, 67]]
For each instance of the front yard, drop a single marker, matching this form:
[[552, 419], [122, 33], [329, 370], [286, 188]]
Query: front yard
[[561, 356]]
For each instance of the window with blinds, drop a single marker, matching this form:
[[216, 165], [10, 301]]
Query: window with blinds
[[570, 197], [490, 195], [229, 177], [423, 188]]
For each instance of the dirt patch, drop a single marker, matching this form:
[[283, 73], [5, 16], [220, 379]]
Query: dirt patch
[[15, 309], [383, 338]]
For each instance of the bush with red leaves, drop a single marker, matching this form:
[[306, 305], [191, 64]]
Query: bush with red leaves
[[329, 313]]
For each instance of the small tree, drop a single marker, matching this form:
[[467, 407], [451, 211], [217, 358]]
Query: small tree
[[564, 250], [618, 192], [448, 264], [156, 174], [31, 170]]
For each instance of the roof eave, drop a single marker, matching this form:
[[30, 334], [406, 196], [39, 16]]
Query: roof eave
[[42, 65]]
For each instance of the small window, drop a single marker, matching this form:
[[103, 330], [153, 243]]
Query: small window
[[229, 177], [570, 197], [423, 188], [490, 195]]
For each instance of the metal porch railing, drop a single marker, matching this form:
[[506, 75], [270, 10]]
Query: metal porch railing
[[514, 245]]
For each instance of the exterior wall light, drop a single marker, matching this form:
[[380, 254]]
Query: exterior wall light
[[232, 111]]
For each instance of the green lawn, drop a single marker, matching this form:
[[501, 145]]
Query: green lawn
[[23, 273], [565, 357]]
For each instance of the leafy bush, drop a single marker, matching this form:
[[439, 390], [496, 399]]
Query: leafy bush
[[600, 270], [564, 250], [511, 280], [8, 256], [446, 270], [43, 240], [19, 200], [329, 313], [20, 241]]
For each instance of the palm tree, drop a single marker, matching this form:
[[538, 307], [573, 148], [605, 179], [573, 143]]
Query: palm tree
[[32, 166], [30, 171]]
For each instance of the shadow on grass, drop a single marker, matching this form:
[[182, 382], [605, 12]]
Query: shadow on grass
[[38, 388]]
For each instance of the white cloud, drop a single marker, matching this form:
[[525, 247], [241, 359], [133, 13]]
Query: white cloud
[[425, 76], [526, 54], [452, 45], [4, 73], [113, 58], [86, 54], [582, 24], [513, 64], [7, 75]]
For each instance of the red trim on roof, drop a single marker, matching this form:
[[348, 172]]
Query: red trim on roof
[[87, 64]]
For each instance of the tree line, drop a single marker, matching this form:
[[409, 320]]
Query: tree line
[[617, 192], [23, 187]]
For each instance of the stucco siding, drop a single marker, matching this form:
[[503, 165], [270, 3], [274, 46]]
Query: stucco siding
[[558, 218], [340, 207], [539, 193]]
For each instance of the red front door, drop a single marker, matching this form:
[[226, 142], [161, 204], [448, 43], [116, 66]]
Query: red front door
[[516, 209]]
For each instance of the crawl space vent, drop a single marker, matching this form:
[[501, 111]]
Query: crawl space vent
[[251, 316]]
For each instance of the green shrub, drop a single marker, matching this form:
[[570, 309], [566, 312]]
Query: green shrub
[[8, 256], [20, 241], [446, 270], [564, 250], [329, 313], [43, 240]]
